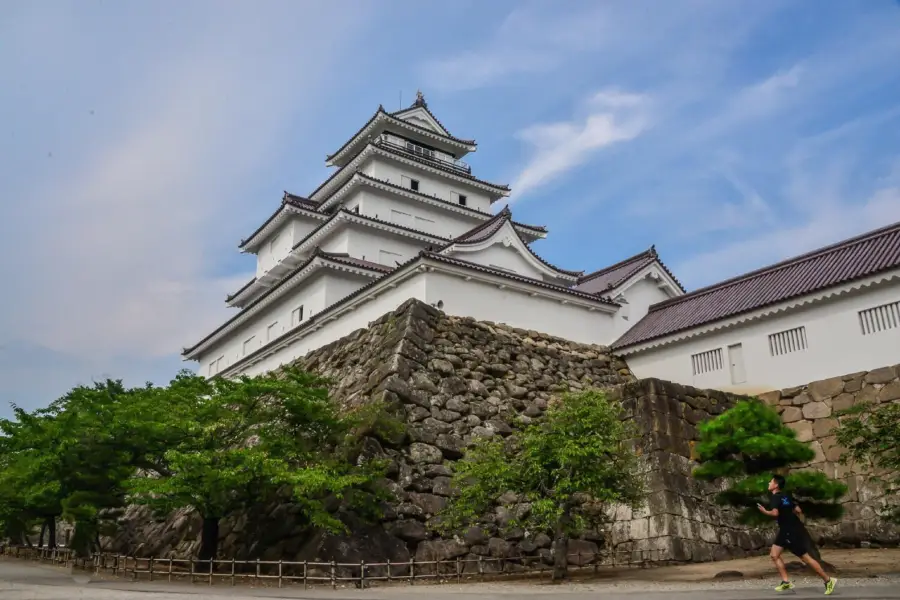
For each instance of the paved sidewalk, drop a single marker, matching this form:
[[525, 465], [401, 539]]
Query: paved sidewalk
[[28, 581]]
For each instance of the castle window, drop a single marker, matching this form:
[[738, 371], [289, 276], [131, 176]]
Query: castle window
[[880, 318], [296, 316], [707, 362], [788, 341]]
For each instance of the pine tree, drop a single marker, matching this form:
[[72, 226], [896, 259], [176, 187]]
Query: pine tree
[[745, 446]]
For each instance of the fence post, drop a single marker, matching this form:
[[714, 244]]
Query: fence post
[[192, 570], [134, 569], [212, 562], [389, 570], [232, 571], [170, 568], [280, 571], [333, 576], [362, 574], [458, 570], [480, 567], [257, 570], [305, 571], [412, 569], [150, 568]]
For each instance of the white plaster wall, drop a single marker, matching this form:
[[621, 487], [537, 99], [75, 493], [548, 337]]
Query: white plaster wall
[[424, 217], [486, 302], [836, 346], [389, 300], [302, 227], [338, 241], [292, 231], [367, 243], [470, 299], [429, 183], [508, 258], [640, 296], [314, 295], [275, 248]]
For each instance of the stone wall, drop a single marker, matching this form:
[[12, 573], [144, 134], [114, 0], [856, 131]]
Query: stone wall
[[680, 521], [811, 410], [453, 380]]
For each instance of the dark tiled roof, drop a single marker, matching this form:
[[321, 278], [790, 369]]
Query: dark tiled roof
[[365, 264], [343, 210], [841, 263], [400, 268], [300, 201], [231, 297], [288, 200], [489, 228], [602, 281], [334, 216], [435, 165], [392, 116], [469, 209], [317, 253], [409, 156], [436, 120], [516, 277]]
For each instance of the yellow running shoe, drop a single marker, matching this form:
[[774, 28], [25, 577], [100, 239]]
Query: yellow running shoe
[[787, 585], [829, 586]]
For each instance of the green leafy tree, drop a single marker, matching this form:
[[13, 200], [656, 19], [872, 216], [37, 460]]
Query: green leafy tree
[[571, 466], [871, 434], [220, 445], [59, 462], [745, 446]]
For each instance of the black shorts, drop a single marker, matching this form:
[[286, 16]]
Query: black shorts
[[794, 541]]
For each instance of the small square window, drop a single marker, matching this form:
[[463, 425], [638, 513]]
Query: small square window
[[296, 316], [414, 185], [462, 200]]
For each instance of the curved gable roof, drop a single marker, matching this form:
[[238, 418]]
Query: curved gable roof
[[490, 228], [613, 276]]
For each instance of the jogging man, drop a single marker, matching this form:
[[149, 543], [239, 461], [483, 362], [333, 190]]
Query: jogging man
[[791, 535]]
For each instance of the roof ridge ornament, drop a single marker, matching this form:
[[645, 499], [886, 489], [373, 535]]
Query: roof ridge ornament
[[420, 99]]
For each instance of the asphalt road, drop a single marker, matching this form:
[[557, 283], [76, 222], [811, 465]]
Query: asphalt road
[[28, 581]]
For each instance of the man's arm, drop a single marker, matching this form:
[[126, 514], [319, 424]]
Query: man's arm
[[771, 513]]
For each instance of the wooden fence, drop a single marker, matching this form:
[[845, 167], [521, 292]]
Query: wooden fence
[[309, 573]]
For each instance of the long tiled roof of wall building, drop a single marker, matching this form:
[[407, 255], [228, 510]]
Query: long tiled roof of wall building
[[856, 258]]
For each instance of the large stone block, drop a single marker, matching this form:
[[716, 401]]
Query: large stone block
[[824, 427], [803, 429], [791, 414], [882, 375], [827, 388], [816, 410]]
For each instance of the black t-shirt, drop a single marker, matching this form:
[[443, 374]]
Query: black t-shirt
[[787, 519]]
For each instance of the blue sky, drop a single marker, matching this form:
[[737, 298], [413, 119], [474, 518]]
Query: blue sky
[[141, 140]]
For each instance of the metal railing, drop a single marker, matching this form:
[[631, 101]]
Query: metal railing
[[311, 573], [398, 143]]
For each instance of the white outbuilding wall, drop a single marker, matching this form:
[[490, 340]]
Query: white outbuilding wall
[[744, 358]]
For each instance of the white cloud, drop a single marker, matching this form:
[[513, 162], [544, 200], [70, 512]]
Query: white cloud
[[119, 228], [767, 247], [612, 117], [537, 38]]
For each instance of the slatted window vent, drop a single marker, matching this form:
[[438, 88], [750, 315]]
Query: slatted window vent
[[880, 318], [786, 342], [706, 362]]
